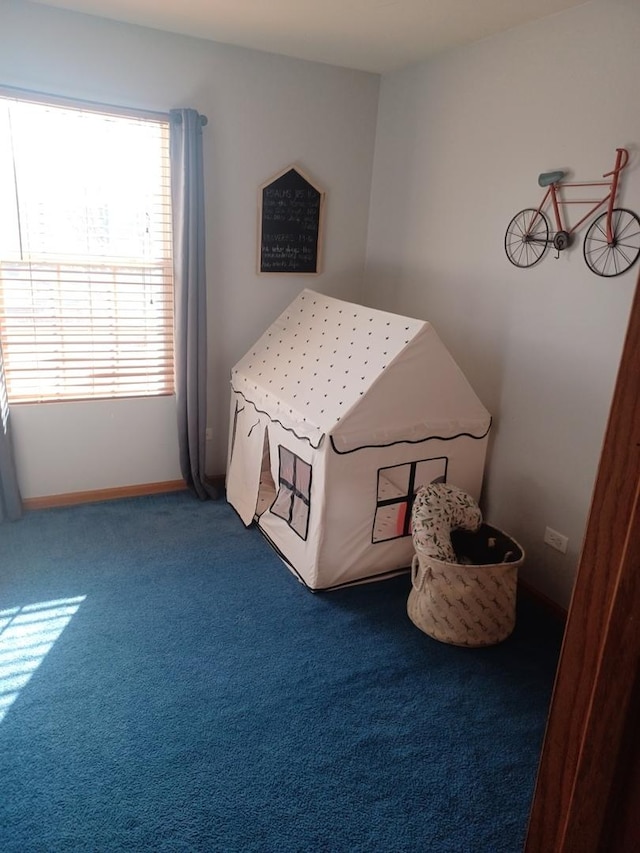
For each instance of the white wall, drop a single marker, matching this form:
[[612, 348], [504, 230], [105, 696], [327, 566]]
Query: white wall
[[265, 112], [76, 447], [460, 143]]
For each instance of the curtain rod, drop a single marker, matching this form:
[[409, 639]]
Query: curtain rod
[[94, 106], [203, 120]]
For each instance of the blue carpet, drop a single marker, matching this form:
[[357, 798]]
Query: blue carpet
[[186, 693]]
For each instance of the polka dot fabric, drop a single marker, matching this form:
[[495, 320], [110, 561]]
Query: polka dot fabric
[[318, 359]]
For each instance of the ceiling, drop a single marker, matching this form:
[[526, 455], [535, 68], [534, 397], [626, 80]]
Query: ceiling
[[371, 35]]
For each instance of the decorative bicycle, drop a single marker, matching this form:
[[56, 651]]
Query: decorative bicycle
[[612, 242]]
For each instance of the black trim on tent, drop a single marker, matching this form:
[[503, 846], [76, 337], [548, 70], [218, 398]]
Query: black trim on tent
[[235, 428], [362, 446], [408, 498], [290, 492], [276, 421], [412, 440]]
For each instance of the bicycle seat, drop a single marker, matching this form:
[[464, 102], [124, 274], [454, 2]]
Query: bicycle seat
[[545, 179]]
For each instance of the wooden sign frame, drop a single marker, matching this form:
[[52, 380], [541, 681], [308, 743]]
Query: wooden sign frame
[[291, 209]]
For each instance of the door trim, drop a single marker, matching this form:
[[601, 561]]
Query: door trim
[[593, 694]]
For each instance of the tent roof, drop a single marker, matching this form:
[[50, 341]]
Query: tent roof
[[331, 367]]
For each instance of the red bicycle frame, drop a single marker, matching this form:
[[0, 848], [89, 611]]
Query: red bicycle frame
[[622, 158]]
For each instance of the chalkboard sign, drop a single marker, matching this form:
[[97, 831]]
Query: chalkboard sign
[[290, 223]]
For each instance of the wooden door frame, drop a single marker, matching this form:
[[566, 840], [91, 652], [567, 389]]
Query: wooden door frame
[[596, 682]]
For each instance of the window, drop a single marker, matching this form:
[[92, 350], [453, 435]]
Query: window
[[86, 276], [294, 490], [397, 486]]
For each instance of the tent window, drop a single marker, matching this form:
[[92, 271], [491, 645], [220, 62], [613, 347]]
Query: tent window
[[294, 491], [397, 486]]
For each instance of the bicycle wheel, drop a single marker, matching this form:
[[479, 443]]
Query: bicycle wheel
[[614, 258], [527, 237]]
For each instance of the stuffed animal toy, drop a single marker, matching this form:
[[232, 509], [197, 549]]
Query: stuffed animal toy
[[438, 509]]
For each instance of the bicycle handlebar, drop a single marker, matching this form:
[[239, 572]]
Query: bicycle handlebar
[[622, 153]]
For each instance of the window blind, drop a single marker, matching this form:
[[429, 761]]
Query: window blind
[[86, 271]]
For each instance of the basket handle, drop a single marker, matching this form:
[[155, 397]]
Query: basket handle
[[415, 563]]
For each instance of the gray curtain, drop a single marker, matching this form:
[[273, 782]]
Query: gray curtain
[[187, 193], [10, 501]]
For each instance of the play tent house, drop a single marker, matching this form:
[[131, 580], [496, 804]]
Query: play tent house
[[339, 413]]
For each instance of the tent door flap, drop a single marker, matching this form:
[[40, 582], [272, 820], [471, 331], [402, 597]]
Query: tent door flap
[[266, 487], [248, 486]]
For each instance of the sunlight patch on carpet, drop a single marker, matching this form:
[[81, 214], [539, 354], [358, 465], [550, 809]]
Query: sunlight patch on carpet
[[26, 635]]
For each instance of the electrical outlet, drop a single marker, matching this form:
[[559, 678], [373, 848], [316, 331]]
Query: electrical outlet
[[208, 433], [556, 540]]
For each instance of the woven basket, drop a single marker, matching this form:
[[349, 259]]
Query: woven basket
[[472, 602]]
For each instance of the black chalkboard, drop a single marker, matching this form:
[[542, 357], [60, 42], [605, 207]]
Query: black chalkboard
[[290, 224]]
